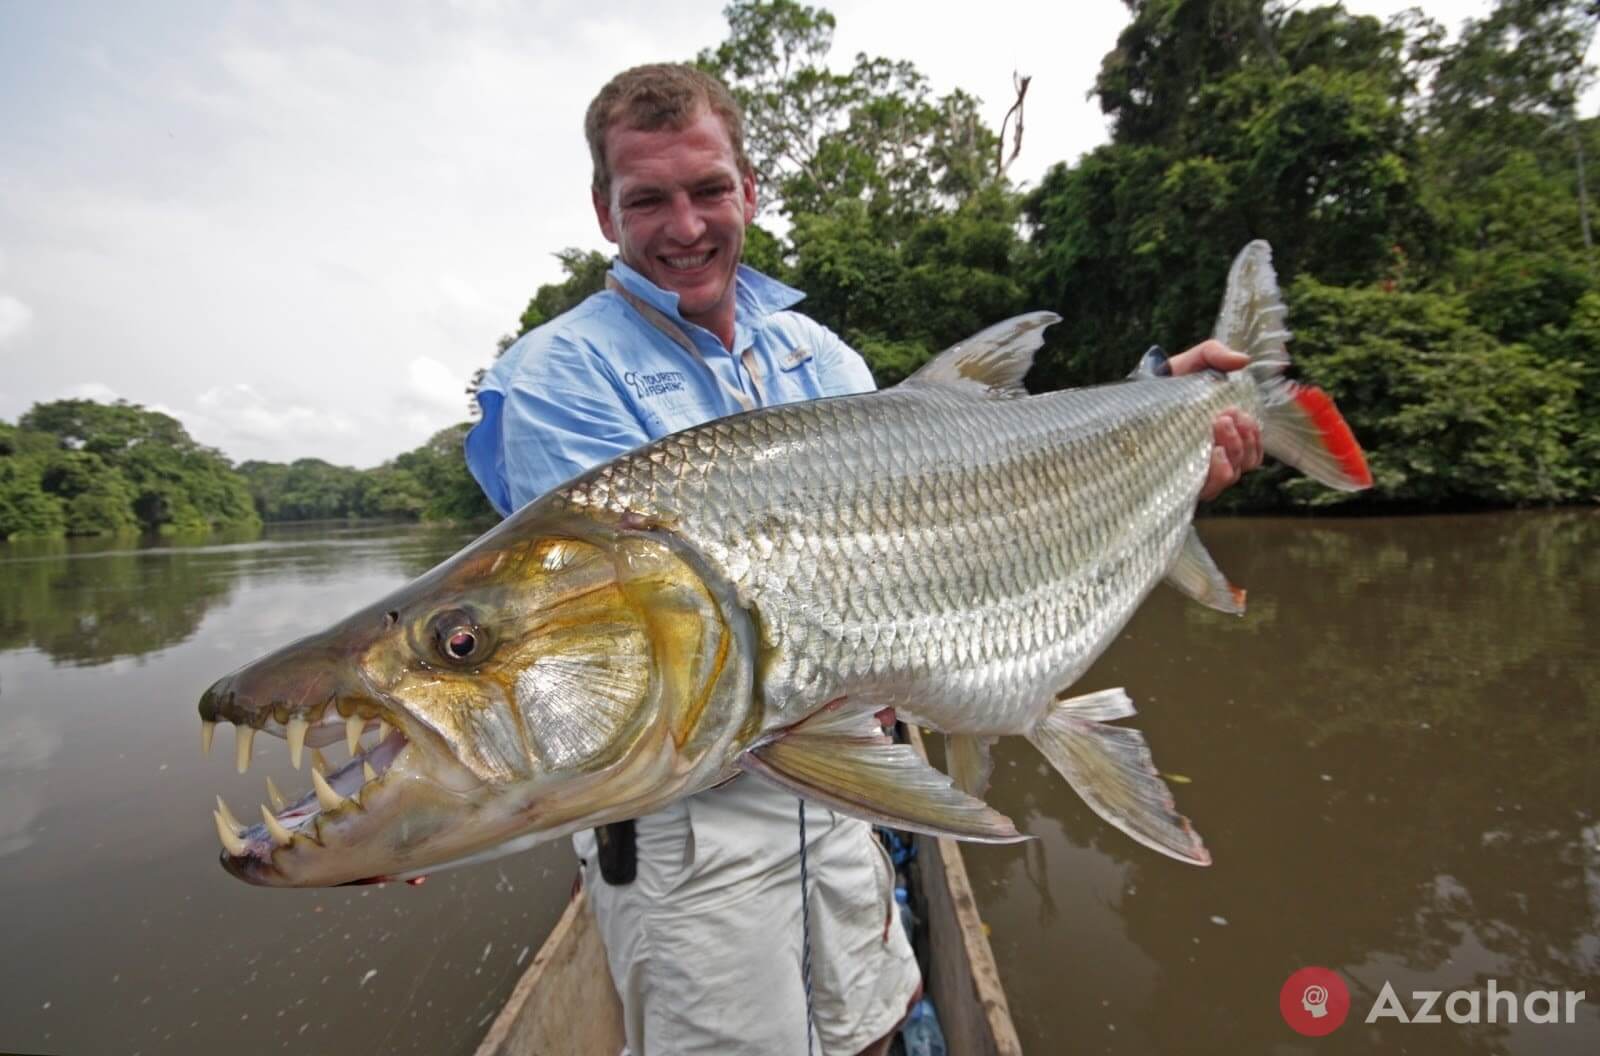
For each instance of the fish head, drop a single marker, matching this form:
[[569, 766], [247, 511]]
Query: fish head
[[561, 672]]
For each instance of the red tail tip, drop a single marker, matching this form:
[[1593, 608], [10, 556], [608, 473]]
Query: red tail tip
[[1336, 435]]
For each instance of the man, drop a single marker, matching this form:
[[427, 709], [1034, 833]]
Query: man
[[705, 933]]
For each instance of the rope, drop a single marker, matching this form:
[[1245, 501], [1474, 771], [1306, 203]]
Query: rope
[[805, 928]]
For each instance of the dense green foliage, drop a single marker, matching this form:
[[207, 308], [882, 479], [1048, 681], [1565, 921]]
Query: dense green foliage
[[76, 467], [1425, 199], [430, 483], [1435, 244]]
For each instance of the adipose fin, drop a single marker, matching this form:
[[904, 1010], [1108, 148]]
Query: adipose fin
[[967, 760]]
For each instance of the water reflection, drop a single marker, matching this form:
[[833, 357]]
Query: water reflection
[[26, 745], [1393, 761], [86, 602], [125, 935]]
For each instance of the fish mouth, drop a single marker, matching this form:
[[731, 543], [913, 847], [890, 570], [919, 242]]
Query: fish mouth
[[333, 833], [330, 817]]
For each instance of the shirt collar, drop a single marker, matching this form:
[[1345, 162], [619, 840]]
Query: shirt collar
[[755, 295]]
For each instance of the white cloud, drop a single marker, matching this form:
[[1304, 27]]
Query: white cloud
[[98, 391], [436, 386], [248, 412], [15, 318], [246, 424]]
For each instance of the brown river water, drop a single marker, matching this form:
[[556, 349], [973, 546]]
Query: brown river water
[[1394, 759]]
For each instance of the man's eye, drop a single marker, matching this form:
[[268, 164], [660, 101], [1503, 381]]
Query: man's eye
[[648, 202], [714, 192]]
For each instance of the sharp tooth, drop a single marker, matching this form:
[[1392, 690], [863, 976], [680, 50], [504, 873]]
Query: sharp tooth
[[207, 730], [367, 772], [318, 762], [274, 795], [326, 796], [297, 738], [280, 835], [352, 732], [227, 815], [383, 730], [231, 841], [242, 735]]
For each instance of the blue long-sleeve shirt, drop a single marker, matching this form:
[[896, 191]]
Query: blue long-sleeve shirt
[[601, 380]]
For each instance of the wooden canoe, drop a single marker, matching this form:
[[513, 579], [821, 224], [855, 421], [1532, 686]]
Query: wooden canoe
[[565, 1005]]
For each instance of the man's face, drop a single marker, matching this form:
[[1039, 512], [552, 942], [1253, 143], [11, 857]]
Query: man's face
[[677, 211]]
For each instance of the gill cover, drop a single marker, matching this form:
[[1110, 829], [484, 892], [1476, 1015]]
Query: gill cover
[[561, 643]]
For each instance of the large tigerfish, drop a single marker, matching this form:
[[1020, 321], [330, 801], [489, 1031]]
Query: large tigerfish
[[746, 595]]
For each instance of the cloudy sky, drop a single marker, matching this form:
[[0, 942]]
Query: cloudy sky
[[300, 227]]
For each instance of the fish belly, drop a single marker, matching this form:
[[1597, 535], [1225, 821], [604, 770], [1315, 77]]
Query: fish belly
[[962, 559]]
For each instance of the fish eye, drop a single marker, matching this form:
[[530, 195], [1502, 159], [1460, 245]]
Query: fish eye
[[457, 637]]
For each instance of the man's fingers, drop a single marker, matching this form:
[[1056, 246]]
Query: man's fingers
[[1250, 433], [1219, 476], [1248, 454], [1236, 450], [1213, 354], [1225, 434]]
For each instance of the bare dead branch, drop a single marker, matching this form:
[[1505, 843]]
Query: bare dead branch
[[1019, 84]]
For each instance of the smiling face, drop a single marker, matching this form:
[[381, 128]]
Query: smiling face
[[677, 208]]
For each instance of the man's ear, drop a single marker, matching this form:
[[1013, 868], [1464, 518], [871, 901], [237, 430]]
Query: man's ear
[[747, 191], [602, 213]]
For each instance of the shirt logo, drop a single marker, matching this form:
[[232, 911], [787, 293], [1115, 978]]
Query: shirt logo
[[655, 384], [795, 358]]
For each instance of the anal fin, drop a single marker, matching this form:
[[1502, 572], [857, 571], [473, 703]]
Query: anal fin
[[859, 772], [1110, 767], [967, 759], [1196, 574]]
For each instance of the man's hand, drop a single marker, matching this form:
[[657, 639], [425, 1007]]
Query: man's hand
[[1235, 435]]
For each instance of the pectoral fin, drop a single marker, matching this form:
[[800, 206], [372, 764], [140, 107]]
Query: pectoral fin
[[859, 772], [1196, 574]]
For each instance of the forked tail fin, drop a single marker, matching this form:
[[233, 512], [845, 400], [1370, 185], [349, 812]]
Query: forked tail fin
[[1300, 424]]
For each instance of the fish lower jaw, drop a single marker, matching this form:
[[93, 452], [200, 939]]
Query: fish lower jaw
[[318, 821]]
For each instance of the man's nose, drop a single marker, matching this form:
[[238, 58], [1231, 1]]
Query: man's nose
[[685, 225]]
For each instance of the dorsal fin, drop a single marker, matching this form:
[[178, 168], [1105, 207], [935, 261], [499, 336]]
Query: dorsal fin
[[991, 362]]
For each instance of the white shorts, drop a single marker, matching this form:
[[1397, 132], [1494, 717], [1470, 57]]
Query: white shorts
[[705, 944]]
